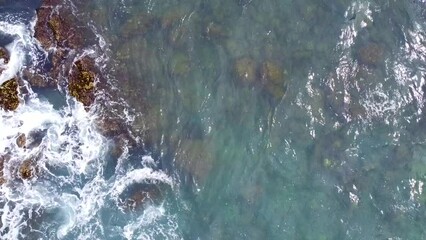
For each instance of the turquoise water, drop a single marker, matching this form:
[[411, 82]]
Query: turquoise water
[[274, 119], [339, 157]]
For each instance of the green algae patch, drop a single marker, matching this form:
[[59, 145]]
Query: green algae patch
[[82, 81], [9, 99]]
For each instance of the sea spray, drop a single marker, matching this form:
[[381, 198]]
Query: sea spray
[[65, 192]]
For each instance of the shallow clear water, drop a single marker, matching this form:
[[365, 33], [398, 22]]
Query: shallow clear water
[[339, 156]]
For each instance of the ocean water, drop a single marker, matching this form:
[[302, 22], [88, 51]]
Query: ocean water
[[252, 120]]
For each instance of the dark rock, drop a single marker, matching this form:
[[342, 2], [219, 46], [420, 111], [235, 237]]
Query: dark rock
[[9, 99], [82, 81], [148, 194], [37, 80], [41, 32]]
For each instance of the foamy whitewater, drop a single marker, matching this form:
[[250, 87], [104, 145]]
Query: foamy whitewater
[[70, 196]]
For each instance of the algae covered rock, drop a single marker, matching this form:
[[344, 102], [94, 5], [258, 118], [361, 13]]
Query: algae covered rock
[[27, 169], [273, 80], [82, 81], [245, 69], [9, 99]]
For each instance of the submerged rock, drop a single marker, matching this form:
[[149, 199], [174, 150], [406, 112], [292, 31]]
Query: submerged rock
[[370, 54], [180, 64], [216, 31], [37, 80], [137, 25], [147, 194], [245, 69], [82, 81], [9, 99], [195, 158], [273, 80]]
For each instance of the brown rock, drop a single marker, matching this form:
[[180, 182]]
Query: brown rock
[[37, 80], [41, 30], [82, 81], [147, 195], [57, 26], [138, 25], [27, 169], [4, 55], [21, 140], [9, 99]]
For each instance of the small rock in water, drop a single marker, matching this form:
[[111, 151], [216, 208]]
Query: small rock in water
[[370, 54], [147, 195], [27, 169], [21, 140], [215, 31], [245, 68], [180, 64], [3, 158], [4, 55], [9, 99]]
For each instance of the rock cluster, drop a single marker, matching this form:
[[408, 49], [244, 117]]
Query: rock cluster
[[60, 32]]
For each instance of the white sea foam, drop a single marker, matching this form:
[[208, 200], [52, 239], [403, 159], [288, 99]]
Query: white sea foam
[[69, 159], [23, 48]]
